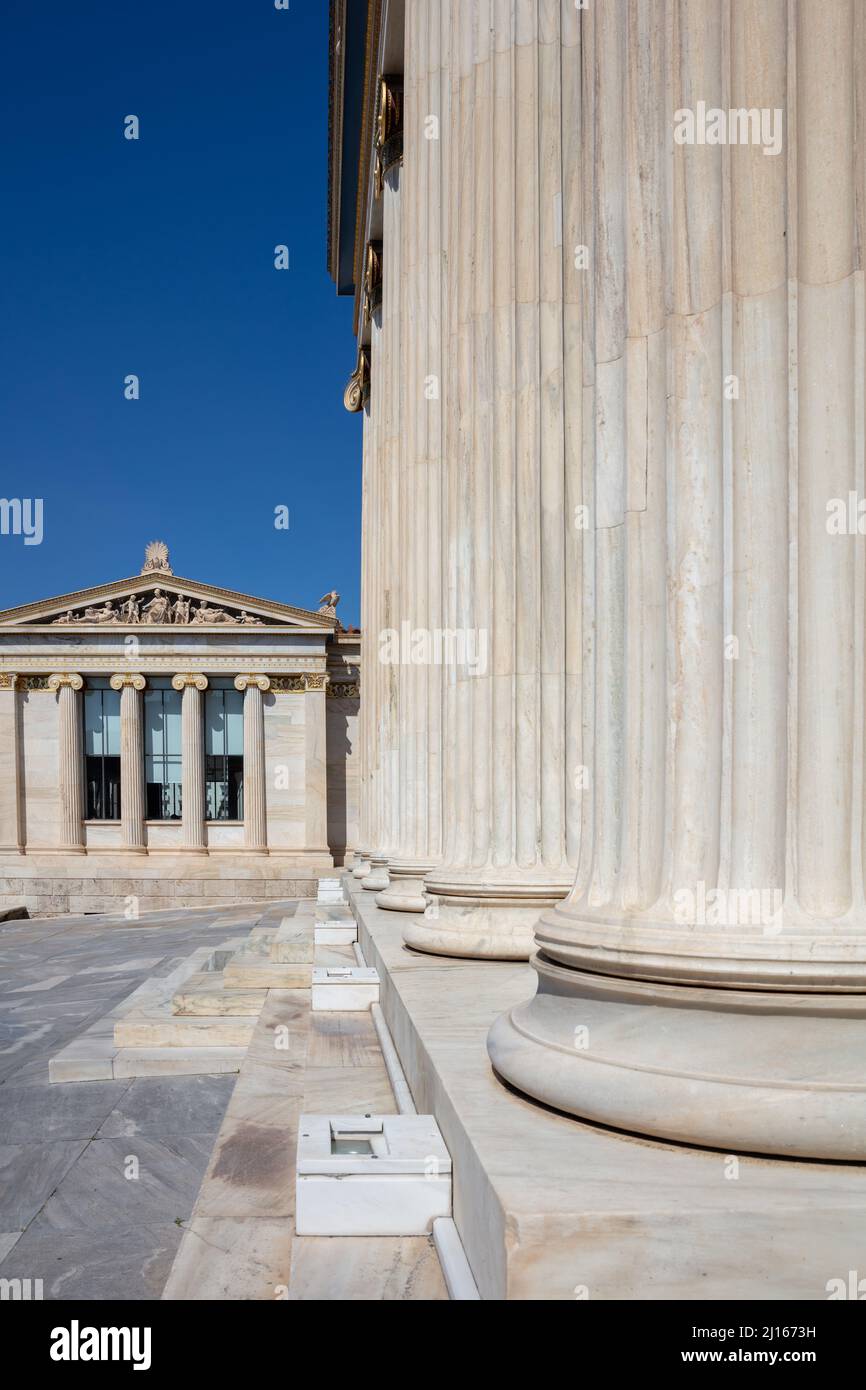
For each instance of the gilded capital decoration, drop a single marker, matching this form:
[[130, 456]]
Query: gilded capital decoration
[[357, 390], [117, 682], [315, 680], [8, 680], [389, 129], [263, 682], [185, 678], [372, 279], [65, 678]]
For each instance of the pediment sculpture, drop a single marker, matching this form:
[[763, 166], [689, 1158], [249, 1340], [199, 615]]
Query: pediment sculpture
[[157, 607]]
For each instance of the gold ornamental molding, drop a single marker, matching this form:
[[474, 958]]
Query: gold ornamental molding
[[185, 678], [372, 279], [389, 129], [357, 391], [61, 678], [344, 690], [122, 678], [316, 680], [263, 682], [9, 680]]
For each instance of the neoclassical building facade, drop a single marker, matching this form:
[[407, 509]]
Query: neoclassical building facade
[[168, 743], [610, 373]]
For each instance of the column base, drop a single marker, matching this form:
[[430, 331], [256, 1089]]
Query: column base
[[377, 879], [361, 867], [745, 1071], [484, 917], [406, 891]]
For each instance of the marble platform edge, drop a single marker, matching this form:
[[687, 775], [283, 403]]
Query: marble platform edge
[[615, 1214], [94, 1055]]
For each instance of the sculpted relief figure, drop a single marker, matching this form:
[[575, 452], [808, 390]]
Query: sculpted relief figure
[[130, 609], [249, 619], [157, 611], [68, 617], [329, 603], [204, 614], [105, 614], [180, 609]]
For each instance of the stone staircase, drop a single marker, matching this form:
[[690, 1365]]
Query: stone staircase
[[200, 1016]]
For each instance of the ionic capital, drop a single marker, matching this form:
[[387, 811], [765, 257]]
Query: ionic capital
[[61, 678], [263, 682], [122, 678], [185, 678]]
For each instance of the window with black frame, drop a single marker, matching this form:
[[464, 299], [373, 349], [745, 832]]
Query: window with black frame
[[163, 756], [101, 750], [224, 752]]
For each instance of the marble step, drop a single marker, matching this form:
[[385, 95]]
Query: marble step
[[159, 1027], [177, 1061], [206, 994], [293, 943], [248, 971]]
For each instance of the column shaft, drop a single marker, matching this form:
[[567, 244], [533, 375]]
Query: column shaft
[[70, 754], [132, 801], [192, 744], [255, 793]]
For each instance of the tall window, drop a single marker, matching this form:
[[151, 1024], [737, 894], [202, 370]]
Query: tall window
[[163, 763], [102, 750], [224, 751]]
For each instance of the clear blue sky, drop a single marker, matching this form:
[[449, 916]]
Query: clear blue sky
[[156, 257]]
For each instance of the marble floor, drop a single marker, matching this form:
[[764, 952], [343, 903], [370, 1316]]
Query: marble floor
[[98, 1177]]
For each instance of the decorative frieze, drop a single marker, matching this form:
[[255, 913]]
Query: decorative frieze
[[156, 607], [344, 690]]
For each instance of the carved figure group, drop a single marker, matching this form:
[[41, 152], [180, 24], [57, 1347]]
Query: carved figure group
[[158, 609]]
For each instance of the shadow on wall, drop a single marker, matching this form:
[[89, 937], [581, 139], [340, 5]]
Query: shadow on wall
[[339, 750]]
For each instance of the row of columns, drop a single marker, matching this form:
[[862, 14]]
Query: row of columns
[[651, 392], [132, 791]]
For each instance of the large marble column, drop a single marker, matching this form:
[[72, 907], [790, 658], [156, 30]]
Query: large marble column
[[70, 753], [255, 796], [192, 752], [416, 844], [11, 817], [511, 476], [387, 406], [705, 980], [132, 801]]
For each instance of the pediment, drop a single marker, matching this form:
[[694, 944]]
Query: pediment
[[160, 601]]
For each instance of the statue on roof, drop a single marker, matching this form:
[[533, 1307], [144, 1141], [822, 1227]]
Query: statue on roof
[[156, 558], [329, 604]]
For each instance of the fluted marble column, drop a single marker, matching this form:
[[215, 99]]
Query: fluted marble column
[[416, 843], [68, 687], [705, 981], [132, 802], [192, 751], [511, 449], [255, 797], [389, 545]]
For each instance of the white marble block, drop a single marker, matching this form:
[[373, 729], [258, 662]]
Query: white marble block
[[344, 988], [337, 934], [371, 1175], [330, 891]]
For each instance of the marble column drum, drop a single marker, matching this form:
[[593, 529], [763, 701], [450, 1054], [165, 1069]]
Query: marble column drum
[[255, 796], [192, 752], [511, 477], [705, 980], [416, 845], [68, 687], [132, 798]]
